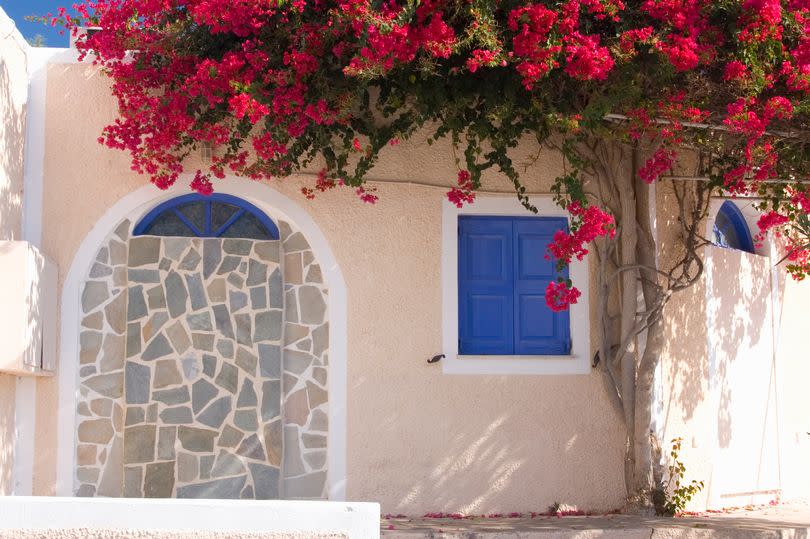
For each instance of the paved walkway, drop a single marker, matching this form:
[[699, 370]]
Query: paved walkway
[[790, 521]]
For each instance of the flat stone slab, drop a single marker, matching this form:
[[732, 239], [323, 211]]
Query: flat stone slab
[[787, 520]]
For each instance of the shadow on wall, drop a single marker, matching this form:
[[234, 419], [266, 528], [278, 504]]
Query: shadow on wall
[[12, 138]]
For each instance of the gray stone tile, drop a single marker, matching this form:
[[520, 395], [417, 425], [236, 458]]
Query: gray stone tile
[[100, 270], [191, 368], [270, 360], [258, 298], [151, 412], [227, 464], [133, 482], [251, 448], [284, 229], [228, 377], [268, 326], [317, 396], [138, 379], [305, 345], [196, 291], [209, 365], [187, 467], [308, 486], [257, 273], [228, 488], [89, 346], [166, 438], [296, 362], [293, 269], [120, 276], [237, 246], [223, 321], [265, 480], [165, 264], [155, 297], [271, 399], [216, 290], [242, 267], [101, 407], [118, 253], [202, 392], [290, 305], [175, 247], [206, 463], [178, 415], [319, 374], [246, 361], [273, 442], [225, 347], [97, 431], [86, 474], [267, 250], [200, 321], [89, 370], [275, 290], [247, 493], [230, 437], [133, 346], [135, 415], [93, 321], [139, 444], [212, 254], [136, 306], [109, 385], [166, 374], [122, 230], [83, 409], [112, 477], [179, 337], [159, 480], [229, 263], [143, 275], [176, 294], [315, 441], [247, 396], [295, 242], [293, 464], [86, 491], [103, 255], [216, 412], [112, 353], [238, 300], [144, 250], [191, 260], [246, 420], [159, 347], [313, 307], [178, 395], [94, 294], [243, 329], [196, 440], [296, 407], [116, 313], [320, 339], [314, 274], [202, 341], [315, 459], [236, 280]]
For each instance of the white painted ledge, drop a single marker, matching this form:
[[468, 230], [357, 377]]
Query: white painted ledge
[[357, 520]]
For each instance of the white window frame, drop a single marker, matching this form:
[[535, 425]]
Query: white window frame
[[577, 362]]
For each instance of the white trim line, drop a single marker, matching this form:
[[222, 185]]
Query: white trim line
[[134, 206], [578, 362], [357, 520]]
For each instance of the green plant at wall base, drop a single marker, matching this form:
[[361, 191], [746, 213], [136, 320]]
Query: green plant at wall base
[[671, 497]]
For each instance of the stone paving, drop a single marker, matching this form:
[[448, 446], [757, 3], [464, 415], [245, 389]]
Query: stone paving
[[782, 521], [203, 369]]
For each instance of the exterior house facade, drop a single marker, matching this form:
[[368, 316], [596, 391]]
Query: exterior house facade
[[256, 344]]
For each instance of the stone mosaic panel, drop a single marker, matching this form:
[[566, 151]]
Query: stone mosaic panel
[[306, 361], [202, 376], [140, 330]]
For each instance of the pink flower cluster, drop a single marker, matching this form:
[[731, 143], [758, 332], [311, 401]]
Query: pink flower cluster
[[464, 193], [561, 295]]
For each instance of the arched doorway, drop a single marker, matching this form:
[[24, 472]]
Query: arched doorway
[[203, 357]]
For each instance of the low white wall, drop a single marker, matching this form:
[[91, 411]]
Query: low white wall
[[355, 520]]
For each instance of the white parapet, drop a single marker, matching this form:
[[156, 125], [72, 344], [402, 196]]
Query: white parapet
[[254, 517]]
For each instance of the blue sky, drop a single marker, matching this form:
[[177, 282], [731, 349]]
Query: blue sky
[[18, 9]]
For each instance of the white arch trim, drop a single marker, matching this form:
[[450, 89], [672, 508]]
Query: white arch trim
[[133, 207]]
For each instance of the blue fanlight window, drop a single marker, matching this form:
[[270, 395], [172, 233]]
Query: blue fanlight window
[[502, 280], [214, 216], [731, 230]]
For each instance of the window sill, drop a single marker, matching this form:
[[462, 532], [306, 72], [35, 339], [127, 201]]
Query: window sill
[[516, 365]]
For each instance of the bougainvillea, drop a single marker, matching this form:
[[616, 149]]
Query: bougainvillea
[[277, 86]]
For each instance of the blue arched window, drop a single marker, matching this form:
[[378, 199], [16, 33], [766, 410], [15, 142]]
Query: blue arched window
[[731, 230], [214, 216]]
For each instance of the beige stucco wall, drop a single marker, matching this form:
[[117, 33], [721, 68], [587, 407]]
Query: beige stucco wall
[[418, 440], [13, 99]]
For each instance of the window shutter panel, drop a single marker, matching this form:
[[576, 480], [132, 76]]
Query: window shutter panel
[[538, 330], [486, 286]]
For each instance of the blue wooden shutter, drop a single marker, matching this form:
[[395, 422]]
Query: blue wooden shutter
[[538, 329], [486, 286]]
